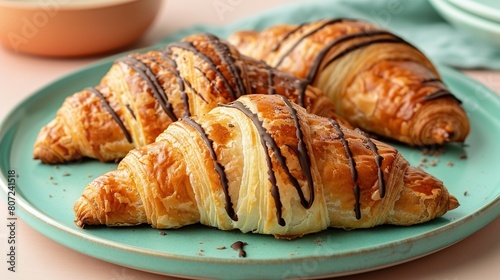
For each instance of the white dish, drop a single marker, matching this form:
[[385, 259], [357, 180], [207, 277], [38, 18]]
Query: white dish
[[488, 9], [477, 26]]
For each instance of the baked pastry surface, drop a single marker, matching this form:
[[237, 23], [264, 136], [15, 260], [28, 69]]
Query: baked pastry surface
[[263, 164]]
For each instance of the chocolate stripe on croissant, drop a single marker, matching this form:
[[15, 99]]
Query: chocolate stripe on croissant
[[432, 80], [152, 81], [287, 35], [131, 111], [267, 142], [180, 82], [301, 86], [112, 112], [265, 139], [217, 166], [352, 165], [314, 69], [303, 156], [329, 22], [271, 89], [228, 59], [440, 94], [187, 46], [364, 44], [378, 162]]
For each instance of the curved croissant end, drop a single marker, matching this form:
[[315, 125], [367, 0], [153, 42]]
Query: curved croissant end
[[378, 81]]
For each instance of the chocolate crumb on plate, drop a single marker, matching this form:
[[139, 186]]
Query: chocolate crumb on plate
[[238, 246]]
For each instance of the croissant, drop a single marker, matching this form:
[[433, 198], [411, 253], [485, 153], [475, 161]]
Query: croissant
[[144, 93], [263, 164], [378, 82]]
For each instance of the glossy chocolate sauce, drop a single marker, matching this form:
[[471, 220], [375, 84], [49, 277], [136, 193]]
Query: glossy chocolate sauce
[[267, 142], [301, 86], [238, 246], [303, 156], [287, 35], [152, 81], [314, 69], [112, 112], [441, 93], [187, 46], [265, 139], [180, 81], [352, 166], [363, 45], [378, 162], [131, 111], [270, 87], [310, 33], [227, 58], [218, 167]]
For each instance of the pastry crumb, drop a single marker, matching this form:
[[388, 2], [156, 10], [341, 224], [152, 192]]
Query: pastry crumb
[[221, 248], [463, 156], [466, 193], [66, 174], [434, 162], [54, 183], [162, 233], [449, 163], [318, 241]]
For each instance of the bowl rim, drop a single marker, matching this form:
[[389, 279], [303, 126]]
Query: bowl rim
[[65, 5]]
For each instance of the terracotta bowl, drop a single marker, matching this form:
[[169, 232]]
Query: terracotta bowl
[[69, 28]]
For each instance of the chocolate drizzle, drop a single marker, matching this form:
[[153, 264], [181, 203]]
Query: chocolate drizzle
[[301, 86], [314, 69], [187, 46], [130, 111], [112, 112], [362, 45], [432, 80], [310, 33], [152, 81], [270, 86], [266, 141], [238, 246], [303, 156], [441, 93], [218, 167], [284, 38], [378, 162], [180, 81], [352, 165], [228, 59]]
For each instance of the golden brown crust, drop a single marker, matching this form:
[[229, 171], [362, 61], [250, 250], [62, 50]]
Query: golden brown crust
[[379, 82], [144, 93], [264, 165]]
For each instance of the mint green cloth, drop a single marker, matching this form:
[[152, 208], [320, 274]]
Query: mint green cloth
[[415, 21]]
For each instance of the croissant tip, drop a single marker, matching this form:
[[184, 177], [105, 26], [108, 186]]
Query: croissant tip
[[453, 203], [79, 223]]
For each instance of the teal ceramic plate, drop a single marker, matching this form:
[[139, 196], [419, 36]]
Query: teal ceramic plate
[[45, 195]]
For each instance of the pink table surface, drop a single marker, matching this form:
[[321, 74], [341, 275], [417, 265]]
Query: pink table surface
[[38, 257]]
